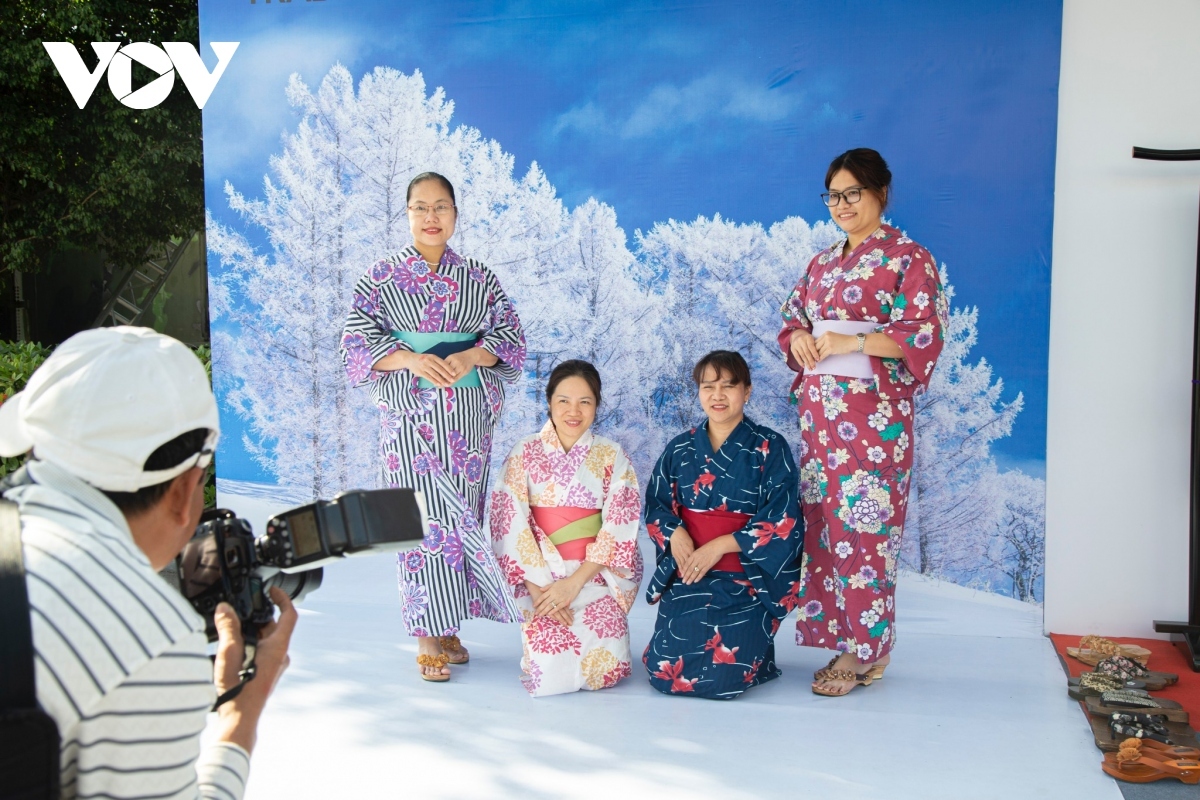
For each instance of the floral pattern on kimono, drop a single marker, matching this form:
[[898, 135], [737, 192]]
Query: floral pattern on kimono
[[593, 653], [856, 435], [716, 637], [438, 441]]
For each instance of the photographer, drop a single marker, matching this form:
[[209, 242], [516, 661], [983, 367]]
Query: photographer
[[122, 425]]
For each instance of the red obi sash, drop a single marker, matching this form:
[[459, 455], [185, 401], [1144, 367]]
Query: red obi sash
[[570, 529], [704, 526]]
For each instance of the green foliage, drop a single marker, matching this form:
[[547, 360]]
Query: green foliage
[[18, 360], [104, 178], [204, 353], [157, 309]]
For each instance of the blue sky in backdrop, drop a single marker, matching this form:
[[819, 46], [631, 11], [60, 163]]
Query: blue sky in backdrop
[[673, 110]]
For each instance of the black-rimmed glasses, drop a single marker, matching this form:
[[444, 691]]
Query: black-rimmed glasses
[[851, 196]]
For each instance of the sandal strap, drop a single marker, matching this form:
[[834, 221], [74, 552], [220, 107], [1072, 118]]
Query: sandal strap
[[828, 674], [438, 661], [450, 642], [1098, 644], [1145, 720], [1122, 666], [1100, 681], [1135, 698], [1138, 732]]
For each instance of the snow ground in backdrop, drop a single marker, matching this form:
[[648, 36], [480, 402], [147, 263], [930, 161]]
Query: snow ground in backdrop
[[974, 707]]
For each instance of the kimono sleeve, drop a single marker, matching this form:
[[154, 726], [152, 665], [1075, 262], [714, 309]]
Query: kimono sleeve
[[662, 518], [616, 547], [917, 323], [773, 539], [367, 335], [503, 337], [516, 548], [794, 318]]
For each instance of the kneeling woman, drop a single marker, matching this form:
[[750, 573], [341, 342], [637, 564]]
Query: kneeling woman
[[723, 512], [564, 527]]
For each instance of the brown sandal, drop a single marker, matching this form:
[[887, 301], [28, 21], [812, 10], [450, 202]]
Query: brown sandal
[[1180, 734], [1132, 765], [438, 662], [455, 653], [1111, 702], [1162, 751], [874, 673], [1094, 649]]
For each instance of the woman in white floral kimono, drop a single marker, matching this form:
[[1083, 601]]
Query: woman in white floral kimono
[[564, 525]]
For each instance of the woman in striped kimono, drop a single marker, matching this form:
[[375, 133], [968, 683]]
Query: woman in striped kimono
[[564, 525], [434, 337]]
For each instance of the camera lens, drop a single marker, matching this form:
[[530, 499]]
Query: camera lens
[[295, 584]]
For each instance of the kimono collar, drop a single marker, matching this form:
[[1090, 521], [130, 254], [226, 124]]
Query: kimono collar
[[884, 231], [704, 446], [449, 258], [552, 445]]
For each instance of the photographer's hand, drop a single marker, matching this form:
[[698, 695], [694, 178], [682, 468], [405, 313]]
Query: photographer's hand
[[239, 716]]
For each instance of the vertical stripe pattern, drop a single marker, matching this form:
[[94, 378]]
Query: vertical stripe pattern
[[433, 440], [119, 655]]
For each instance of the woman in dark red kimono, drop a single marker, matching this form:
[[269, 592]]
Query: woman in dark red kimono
[[863, 328]]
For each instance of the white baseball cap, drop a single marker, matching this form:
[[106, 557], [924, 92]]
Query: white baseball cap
[[105, 400]]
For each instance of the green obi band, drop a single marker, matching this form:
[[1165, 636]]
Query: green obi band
[[586, 528], [442, 345]]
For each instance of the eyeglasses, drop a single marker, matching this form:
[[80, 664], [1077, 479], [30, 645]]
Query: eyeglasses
[[440, 210], [851, 196]]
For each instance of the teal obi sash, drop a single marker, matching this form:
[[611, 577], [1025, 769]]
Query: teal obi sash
[[442, 345]]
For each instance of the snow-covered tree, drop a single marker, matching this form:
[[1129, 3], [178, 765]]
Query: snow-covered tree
[[334, 203], [612, 314], [954, 490], [720, 285], [1018, 549]]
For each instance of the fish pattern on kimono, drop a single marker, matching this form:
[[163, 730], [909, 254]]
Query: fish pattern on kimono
[[715, 638]]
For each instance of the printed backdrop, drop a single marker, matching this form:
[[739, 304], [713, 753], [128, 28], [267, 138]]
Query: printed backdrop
[[644, 180]]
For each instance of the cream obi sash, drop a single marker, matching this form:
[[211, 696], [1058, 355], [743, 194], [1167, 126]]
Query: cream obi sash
[[850, 365]]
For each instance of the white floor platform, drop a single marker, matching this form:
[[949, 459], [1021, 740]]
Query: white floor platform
[[973, 707]]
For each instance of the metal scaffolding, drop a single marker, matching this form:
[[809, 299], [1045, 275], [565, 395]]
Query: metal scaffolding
[[135, 291]]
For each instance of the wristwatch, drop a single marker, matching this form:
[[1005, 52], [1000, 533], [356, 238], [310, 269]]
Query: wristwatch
[[862, 341]]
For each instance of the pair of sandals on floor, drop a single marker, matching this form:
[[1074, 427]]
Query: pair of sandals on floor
[[1123, 673], [1122, 701], [453, 653], [1144, 760]]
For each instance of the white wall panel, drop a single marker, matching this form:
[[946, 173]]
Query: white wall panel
[[1121, 317]]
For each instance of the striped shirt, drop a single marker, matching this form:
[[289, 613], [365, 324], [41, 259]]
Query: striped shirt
[[120, 656]]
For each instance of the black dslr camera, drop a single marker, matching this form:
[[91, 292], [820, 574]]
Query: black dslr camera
[[224, 562]]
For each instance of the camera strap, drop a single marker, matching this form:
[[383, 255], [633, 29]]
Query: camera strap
[[245, 674], [17, 690], [29, 738]]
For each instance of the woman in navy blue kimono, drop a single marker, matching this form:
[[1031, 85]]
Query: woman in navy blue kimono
[[723, 510]]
